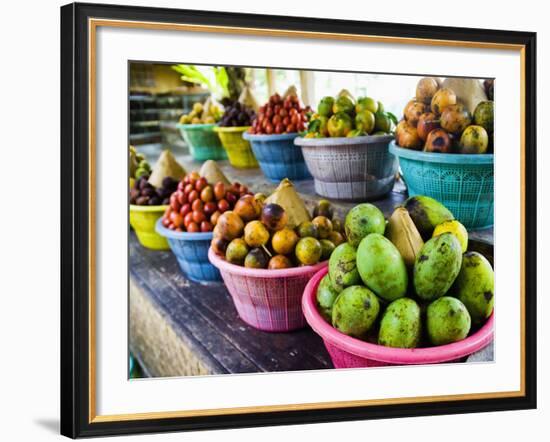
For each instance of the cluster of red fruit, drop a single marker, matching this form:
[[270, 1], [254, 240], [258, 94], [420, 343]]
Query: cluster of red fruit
[[280, 116], [196, 205]]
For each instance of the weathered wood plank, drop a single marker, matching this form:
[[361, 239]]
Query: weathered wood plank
[[205, 318], [197, 332]]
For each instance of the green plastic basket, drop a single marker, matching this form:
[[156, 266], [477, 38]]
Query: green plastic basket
[[204, 144], [462, 182]]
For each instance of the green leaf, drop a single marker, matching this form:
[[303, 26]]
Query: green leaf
[[222, 79], [193, 75], [392, 117]]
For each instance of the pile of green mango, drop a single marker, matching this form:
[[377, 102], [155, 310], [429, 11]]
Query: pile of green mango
[[344, 116], [372, 293]]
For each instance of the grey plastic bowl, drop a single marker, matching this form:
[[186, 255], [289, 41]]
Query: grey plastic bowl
[[354, 169]]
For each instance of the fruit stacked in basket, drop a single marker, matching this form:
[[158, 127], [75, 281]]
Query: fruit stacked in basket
[[194, 209], [259, 233], [267, 249], [445, 147], [277, 124], [149, 195], [408, 284], [453, 116], [236, 120], [197, 129], [343, 116], [280, 116], [196, 204]]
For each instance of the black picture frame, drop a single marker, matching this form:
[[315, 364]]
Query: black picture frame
[[75, 196]]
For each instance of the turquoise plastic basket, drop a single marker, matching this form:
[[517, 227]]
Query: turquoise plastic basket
[[463, 183], [204, 144]]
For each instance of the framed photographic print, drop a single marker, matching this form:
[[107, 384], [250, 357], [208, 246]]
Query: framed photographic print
[[274, 220]]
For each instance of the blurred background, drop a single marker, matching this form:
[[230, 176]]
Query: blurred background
[[159, 95]]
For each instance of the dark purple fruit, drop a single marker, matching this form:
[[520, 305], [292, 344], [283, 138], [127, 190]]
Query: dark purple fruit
[[274, 217], [256, 259], [149, 191], [142, 200]]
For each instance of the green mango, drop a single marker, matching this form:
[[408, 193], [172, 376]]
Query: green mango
[[325, 106], [366, 103], [426, 214], [343, 104], [364, 121], [475, 286], [342, 268], [382, 122], [381, 267], [484, 115], [400, 326], [355, 311], [361, 220], [326, 295], [339, 124], [437, 266], [447, 320]]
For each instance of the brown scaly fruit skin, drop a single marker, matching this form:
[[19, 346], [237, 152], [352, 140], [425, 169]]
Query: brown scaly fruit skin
[[407, 136], [455, 119], [442, 98], [413, 110], [426, 123], [426, 89], [438, 141]]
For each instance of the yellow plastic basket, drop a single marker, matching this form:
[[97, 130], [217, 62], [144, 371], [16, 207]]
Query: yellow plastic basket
[[238, 149], [143, 219]]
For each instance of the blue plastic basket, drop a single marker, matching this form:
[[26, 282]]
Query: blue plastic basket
[[191, 250], [462, 182], [279, 158]]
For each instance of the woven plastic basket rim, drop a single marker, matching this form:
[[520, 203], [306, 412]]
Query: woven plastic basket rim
[[275, 137], [381, 353], [342, 141], [186, 236], [223, 265], [443, 158], [231, 129], [196, 126], [136, 208]]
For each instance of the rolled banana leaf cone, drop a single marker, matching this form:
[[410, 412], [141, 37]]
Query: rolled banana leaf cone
[[247, 98], [212, 172], [469, 91], [166, 166], [286, 196]]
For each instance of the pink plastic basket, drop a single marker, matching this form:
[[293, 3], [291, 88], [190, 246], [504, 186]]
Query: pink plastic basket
[[269, 300], [348, 352]]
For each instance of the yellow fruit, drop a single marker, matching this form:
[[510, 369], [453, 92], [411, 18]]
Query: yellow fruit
[[284, 241], [308, 251], [323, 225], [256, 234], [404, 235], [457, 229]]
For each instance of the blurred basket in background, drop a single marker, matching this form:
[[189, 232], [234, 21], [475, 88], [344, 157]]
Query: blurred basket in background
[[354, 169], [461, 182]]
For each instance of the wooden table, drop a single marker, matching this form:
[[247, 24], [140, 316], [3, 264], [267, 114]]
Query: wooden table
[[179, 327]]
